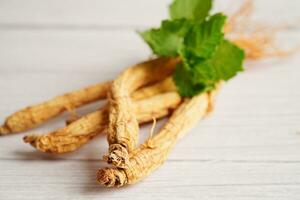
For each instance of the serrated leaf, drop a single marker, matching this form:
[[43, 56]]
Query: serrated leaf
[[207, 57], [228, 60], [185, 86], [196, 10], [203, 39], [226, 63], [167, 40]]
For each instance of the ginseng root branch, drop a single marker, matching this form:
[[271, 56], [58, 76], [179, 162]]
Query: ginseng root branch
[[33, 116], [80, 131], [123, 127], [86, 128], [147, 157]]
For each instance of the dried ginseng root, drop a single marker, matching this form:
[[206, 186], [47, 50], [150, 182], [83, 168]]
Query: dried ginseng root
[[83, 130], [154, 152], [166, 85], [33, 116], [123, 127]]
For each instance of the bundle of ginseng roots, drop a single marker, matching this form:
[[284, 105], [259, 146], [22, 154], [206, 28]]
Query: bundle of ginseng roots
[[140, 94]]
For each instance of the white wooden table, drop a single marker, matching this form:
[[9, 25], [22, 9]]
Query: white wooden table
[[249, 148]]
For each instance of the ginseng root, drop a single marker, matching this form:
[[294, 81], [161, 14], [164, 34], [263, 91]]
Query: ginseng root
[[123, 127], [33, 116], [83, 130], [166, 85], [154, 152]]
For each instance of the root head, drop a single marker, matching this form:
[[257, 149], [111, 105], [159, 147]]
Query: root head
[[31, 139], [111, 177], [4, 130], [118, 156]]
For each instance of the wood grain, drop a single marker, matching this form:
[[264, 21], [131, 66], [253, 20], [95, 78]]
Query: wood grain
[[115, 14], [186, 180], [249, 148]]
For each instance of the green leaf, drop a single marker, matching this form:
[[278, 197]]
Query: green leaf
[[203, 39], [167, 40], [227, 61], [207, 57], [204, 74], [182, 79], [161, 42], [190, 9]]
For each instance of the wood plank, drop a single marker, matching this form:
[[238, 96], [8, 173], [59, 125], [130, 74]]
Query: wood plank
[[70, 51], [83, 13], [81, 51], [101, 14], [248, 149], [176, 180]]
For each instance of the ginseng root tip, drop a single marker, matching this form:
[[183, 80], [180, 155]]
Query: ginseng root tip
[[29, 139], [111, 177], [118, 156], [4, 130]]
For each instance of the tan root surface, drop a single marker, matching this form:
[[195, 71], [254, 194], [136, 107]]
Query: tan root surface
[[86, 128], [154, 152], [123, 126], [33, 116]]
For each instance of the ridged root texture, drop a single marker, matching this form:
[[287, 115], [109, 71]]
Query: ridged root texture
[[153, 153], [35, 115], [4, 130], [118, 156], [78, 133], [111, 177], [123, 126], [57, 144]]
